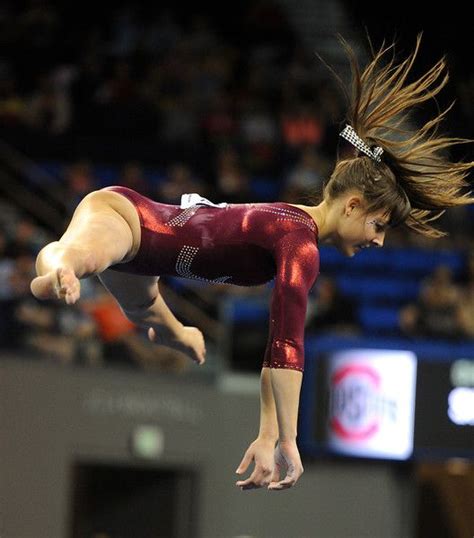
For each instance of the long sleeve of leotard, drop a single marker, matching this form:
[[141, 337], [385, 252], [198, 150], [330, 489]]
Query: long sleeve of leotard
[[297, 268]]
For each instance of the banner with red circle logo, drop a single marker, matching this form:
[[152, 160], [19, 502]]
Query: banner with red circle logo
[[372, 403]]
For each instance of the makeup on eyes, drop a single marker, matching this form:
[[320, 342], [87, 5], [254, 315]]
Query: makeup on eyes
[[379, 226]]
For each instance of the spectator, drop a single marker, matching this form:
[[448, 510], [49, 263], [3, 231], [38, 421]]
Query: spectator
[[22, 273], [6, 267], [126, 30], [7, 292], [58, 332], [80, 180], [179, 180], [301, 126], [179, 123], [306, 177], [201, 38], [133, 177], [37, 34], [120, 86], [49, 109], [17, 273], [218, 124], [126, 110], [232, 182], [12, 105], [27, 237], [467, 299], [161, 32], [330, 310], [466, 311], [436, 312], [259, 132], [85, 90]]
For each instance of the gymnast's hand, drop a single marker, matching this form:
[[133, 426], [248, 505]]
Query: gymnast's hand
[[189, 341], [261, 452], [288, 461]]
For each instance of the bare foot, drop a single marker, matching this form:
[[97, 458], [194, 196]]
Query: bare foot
[[59, 268], [191, 343], [61, 283]]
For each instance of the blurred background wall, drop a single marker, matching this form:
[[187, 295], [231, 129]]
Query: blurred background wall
[[63, 430]]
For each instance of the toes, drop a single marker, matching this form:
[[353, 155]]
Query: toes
[[151, 334], [42, 288], [155, 337], [67, 286], [72, 296], [60, 284]]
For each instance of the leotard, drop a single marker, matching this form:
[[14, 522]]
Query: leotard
[[242, 244]]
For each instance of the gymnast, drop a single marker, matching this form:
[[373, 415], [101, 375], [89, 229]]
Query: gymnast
[[392, 176]]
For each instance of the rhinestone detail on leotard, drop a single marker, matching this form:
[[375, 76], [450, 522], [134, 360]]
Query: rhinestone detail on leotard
[[286, 214], [183, 266], [183, 217]]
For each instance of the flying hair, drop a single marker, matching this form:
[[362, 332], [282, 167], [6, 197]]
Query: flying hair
[[415, 180]]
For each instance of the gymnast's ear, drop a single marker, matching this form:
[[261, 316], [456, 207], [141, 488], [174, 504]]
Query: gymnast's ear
[[352, 202]]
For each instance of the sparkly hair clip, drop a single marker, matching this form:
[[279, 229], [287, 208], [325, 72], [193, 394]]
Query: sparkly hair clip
[[353, 138]]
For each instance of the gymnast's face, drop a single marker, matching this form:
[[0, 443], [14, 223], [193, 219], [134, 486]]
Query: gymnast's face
[[359, 229]]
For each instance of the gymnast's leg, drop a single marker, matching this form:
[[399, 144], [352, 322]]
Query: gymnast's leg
[[104, 230], [142, 303]]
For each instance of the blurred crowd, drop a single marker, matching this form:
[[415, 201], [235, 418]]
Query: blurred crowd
[[164, 86], [443, 309], [229, 105]]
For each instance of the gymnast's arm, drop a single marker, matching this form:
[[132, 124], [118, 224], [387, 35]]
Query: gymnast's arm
[[286, 373], [279, 399], [268, 417], [282, 369], [261, 451]]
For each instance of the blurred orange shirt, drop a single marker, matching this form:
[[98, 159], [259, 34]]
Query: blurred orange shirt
[[111, 321]]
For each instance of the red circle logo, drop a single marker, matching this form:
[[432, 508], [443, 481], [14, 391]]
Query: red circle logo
[[354, 395]]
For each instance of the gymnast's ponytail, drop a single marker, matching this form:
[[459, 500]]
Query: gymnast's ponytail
[[403, 170]]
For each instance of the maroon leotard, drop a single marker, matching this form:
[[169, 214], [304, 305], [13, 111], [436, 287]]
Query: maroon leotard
[[242, 244]]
